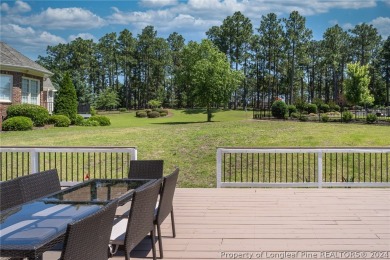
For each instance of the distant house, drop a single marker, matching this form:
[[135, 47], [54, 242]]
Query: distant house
[[23, 81]]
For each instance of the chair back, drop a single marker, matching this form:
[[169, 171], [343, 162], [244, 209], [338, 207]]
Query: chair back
[[140, 222], [39, 184], [146, 169], [88, 238], [10, 194], [166, 199]]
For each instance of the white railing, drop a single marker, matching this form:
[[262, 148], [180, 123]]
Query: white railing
[[303, 167], [72, 163]]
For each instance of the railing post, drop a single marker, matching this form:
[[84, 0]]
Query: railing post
[[34, 161], [319, 170], [219, 167], [134, 154]]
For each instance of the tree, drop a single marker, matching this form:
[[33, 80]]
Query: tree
[[365, 40], [271, 39], [356, 84], [107, 99], [212, 79], [65, 102], [385, 62], [233, 38], [297, 40]]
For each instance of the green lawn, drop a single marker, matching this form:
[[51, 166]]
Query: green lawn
[[184, 139]]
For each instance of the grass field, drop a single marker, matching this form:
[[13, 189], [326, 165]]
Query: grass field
[[184, 139]]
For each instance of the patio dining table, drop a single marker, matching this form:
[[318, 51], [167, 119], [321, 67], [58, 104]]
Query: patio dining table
[[30, 229]]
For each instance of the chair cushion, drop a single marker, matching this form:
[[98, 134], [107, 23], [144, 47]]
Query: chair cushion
[[119, 231]]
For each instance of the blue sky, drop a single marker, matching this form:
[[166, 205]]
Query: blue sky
[[29, 26]]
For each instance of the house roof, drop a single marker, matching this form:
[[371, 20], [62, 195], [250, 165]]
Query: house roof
[[48, 85], [11, 59]]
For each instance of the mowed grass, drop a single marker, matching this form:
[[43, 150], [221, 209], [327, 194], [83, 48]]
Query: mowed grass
[[185, 140]]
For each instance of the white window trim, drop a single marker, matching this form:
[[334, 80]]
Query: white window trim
[[29, 93], [10, 90]]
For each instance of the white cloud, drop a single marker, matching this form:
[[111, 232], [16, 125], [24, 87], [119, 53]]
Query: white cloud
[[140, 19], [19, 7], [14, 33], [64, 18], [4, 7], [85, 36], [157, 3], [383, 26]]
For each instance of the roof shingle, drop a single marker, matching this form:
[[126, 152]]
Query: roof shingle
[[11, 57]]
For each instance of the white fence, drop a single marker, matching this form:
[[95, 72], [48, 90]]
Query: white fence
[[72, 163], [303, 167]]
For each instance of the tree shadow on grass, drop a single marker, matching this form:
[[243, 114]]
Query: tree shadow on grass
[[182, 123], [192, 111]]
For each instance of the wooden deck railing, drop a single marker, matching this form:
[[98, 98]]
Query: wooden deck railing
[[72, 163], [303, 167]]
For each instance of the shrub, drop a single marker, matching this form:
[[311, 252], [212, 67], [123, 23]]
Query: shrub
[[371, 118], [325, 118], [291, 109], [89, 122], [303, 118], [153, 114], [301, 105], [333, 106], [347, 117], [324, 108], [163, 114], [65, 102], [93, 111], [141, 114], [279, 109], [294, 115], [122, 109], [59, 120], [17, 123], [312, 108], [79, 119], [103, 120], [37, 114]]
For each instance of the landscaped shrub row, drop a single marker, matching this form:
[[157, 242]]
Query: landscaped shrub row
[[151, 113], [37, 114]]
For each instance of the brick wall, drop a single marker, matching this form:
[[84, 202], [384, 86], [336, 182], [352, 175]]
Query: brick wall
[[16, 91]]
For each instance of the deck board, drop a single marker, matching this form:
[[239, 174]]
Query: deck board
[[213, 222]]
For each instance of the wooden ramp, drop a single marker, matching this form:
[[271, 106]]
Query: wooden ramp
[[276, 223]]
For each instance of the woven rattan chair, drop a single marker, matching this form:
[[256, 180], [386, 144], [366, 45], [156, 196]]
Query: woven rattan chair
[[165, 206], [146, 169], [88, 238], [129, 232], [39, 184], [10, 194]]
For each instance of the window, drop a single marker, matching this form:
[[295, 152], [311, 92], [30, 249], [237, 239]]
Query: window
[[30, 91], [6, 88]]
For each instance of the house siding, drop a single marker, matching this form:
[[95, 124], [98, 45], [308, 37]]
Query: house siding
[[17, 91]]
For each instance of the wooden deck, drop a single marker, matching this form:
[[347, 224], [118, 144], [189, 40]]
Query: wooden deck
[[271, 223]]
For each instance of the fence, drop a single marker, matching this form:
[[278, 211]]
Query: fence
[[303, 167], [73, 163], [383, 115]]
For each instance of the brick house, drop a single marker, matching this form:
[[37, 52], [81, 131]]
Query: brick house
[[23, 81]]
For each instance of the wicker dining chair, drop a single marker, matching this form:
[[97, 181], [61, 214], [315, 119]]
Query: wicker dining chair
[[88, 238], [165, 205], [129, 232], [146, 169], [10, 194], [39, 184]]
